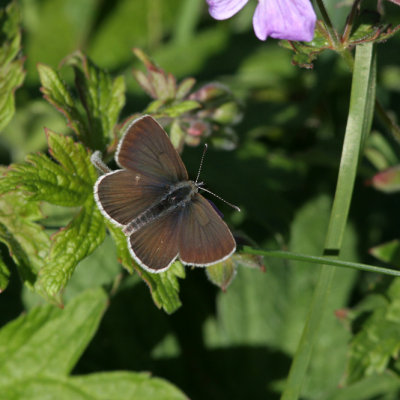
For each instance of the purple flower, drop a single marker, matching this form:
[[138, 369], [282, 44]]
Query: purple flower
[[280, 19]]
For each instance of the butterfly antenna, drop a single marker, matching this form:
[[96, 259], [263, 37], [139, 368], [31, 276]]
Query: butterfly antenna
[[220, 198], [99, 163], [201, 162]]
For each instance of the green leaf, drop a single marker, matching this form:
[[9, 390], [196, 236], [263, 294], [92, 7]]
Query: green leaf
[[59, 95], [184, 88], [67, 183], [369, 29], [127, 385], [164, 287], [101, 97], [48, 341], [99, 386], [379, 152], [26, 240], [12, 73], [267, 310], [38, 351], [222, 274], [69, 246], [378, 340], [175, 110], [388, 252]]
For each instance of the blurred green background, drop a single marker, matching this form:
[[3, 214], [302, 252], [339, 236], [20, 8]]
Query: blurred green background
[[237, 344]]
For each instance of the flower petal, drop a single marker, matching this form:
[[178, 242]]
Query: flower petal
[[284, 19], [223, 9]]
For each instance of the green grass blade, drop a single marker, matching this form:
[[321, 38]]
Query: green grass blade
[[187, 21], [358, 126]]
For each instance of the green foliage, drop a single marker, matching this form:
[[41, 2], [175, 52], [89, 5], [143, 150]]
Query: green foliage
[[388, 252], [286, 128], [66, 181], [11, 64], [69, 246], [39, 350], [18, 216], [164, 286], [378, 339], [101, 100]]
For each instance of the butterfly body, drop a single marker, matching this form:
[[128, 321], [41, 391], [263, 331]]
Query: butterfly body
[[158, 208], [179, 195]]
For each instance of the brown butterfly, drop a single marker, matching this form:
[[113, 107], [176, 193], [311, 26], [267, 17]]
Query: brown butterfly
[[158, 208]]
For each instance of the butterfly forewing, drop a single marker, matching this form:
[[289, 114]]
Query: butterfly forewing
[[204, 238], [146, 148], [123, 194], [155, 245]]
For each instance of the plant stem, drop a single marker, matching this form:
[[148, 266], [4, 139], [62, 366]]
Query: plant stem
[[322, 260], [358, 126]]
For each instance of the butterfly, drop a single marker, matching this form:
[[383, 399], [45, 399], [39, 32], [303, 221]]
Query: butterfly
[[158, 208]]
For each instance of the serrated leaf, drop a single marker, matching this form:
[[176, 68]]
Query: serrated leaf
[[102, 99], [123, 254], [57, 94], [388, 252], [369, 29], [67, 183], [12, 73], [26, 240], [164, 287], [378, 340], [48, 341], [69, 246], [367, 26]]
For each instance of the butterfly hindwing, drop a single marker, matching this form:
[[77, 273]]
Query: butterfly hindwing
[[204, 238], [155, 245]]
